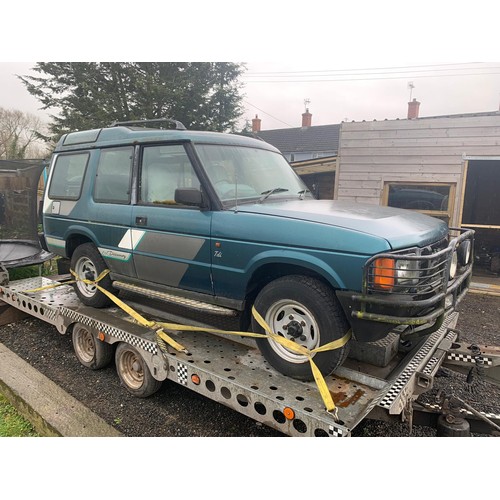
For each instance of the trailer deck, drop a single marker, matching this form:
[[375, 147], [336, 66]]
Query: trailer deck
[[227, 370]]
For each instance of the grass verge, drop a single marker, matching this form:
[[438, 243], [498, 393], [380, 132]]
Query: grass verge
[[12, 424]]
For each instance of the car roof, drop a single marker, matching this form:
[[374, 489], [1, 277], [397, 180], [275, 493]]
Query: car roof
[[127, 135]]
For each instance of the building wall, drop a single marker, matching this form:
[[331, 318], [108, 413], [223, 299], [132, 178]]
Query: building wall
[[421, 150]]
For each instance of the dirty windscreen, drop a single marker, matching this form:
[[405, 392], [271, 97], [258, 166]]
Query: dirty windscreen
[[247, 174]]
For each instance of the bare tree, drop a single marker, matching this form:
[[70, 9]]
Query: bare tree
[[20, 135]]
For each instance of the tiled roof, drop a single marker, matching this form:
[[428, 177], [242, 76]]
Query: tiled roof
[[303, 139]]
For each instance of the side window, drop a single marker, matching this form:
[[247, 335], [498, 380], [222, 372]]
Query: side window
[[164, 169], [112, 183], [68, 175]]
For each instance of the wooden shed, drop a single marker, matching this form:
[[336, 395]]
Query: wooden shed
[[447, 167]]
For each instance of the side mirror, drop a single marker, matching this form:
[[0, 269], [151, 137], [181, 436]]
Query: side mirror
[[188, 196]]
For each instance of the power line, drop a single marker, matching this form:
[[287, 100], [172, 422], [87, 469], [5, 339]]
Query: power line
[[398, 77], [443, 67], [262, 111]]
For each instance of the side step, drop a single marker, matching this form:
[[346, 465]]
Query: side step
[[175, 299]]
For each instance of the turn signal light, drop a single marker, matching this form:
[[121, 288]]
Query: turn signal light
[[383, 273]]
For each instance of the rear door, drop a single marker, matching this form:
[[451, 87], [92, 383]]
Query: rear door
[[170, 242]]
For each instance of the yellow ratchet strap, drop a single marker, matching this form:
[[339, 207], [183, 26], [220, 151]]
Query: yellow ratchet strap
[[159, 327]]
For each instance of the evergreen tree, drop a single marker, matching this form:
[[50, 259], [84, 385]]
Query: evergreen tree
[[86, 95]]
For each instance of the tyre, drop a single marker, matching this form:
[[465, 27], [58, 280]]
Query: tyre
[[306, 311], [134, 373], [90, 351], [87, 263]]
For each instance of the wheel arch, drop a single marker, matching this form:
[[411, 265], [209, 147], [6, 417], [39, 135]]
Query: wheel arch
[[76, 237], [273, 266], [270, 267]]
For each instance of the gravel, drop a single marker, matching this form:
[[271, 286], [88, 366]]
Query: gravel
[[177, 411]]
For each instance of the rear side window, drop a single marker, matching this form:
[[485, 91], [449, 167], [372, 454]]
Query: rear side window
[[112, 183], [68, 175]]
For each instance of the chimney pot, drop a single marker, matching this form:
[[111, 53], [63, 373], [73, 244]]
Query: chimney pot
[[256, 124], [413, 108]]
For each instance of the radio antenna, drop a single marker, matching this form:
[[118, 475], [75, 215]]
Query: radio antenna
[[411, 87]]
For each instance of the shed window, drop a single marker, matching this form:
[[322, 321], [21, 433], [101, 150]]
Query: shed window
[[435, 199]]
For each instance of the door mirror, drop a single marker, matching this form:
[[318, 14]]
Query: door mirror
[[189, 196]]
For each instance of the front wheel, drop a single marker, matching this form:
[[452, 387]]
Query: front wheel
[[306, 311]]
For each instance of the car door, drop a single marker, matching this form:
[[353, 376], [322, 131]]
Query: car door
[[170, 242]]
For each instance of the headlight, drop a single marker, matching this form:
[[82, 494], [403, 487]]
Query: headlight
[[407, 272], [453, 265], [389, 273], [464, 252]]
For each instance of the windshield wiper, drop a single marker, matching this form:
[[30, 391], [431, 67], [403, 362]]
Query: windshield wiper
[[270, 192], [303, 193]]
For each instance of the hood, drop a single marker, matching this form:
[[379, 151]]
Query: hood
[[400, 228]]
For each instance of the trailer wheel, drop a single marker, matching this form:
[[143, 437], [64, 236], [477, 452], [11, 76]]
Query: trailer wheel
[[87, 263], [134, 373], [304, 310], [91, 352]]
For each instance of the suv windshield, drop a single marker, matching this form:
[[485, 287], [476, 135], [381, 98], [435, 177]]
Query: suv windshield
[[249, 174]]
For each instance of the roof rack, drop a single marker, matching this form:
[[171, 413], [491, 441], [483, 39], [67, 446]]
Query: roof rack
[[178, 124]]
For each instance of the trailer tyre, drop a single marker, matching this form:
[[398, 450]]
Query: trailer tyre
[[306, 311], [90, 351], [87, 263], [133, 372]]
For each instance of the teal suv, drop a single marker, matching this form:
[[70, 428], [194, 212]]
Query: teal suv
[[222, 223]]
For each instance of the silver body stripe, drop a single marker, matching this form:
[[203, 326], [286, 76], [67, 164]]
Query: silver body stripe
[[131, 239]]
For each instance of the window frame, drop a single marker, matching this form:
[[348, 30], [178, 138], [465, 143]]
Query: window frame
[[130, 176], [448, 214]]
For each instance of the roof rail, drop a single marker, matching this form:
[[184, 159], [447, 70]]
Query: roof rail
[[178, 124]]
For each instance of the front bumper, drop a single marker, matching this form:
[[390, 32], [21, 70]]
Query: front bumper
[[421, 302]]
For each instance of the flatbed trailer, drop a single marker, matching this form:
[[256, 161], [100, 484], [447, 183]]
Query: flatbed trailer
[[230, 371]]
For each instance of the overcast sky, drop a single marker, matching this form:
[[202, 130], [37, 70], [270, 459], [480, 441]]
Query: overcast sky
[[350, 62]]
